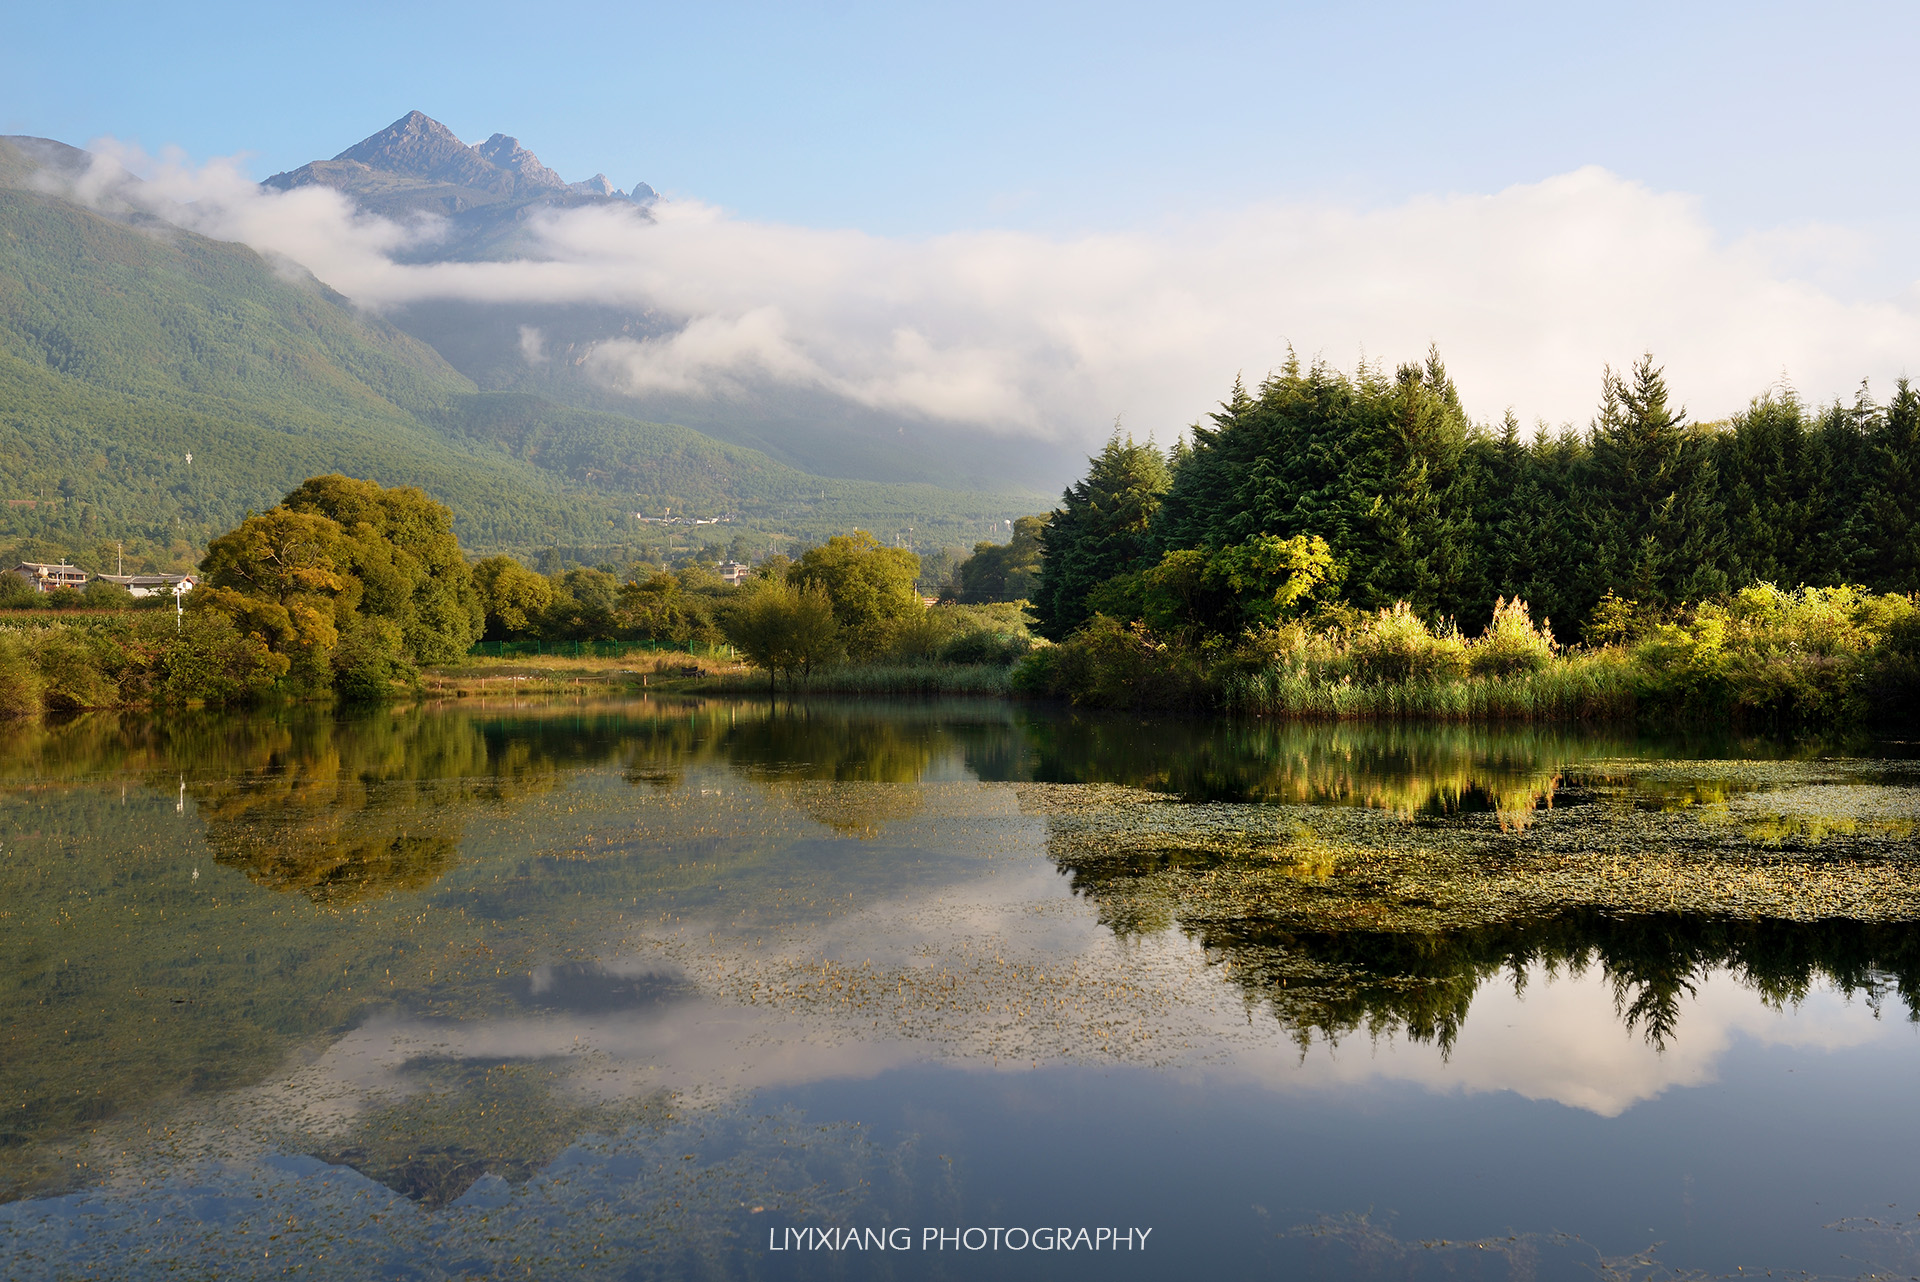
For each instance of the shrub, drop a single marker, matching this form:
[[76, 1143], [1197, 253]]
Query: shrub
[[921, 636], [71, 674], [209, 660], [1110, 664], [16, 593], [102, 595], [1397, 646], [371, 656], [19, 681], [1809, 656], [984, 645], [1511, 644]]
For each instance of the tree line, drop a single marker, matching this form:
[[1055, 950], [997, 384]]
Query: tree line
[[1370, 506], [348, 588], [1418, 504]]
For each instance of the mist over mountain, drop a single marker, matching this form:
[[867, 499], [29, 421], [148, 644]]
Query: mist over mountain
[[490, 203], [155, 383]]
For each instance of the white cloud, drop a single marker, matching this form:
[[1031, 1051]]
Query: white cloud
[[1528, 292]]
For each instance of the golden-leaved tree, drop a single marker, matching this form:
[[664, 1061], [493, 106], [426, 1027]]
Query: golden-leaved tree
[[355, 584]]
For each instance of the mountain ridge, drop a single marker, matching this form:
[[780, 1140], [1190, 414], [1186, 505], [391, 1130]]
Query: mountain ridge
[[544, 348], [416, 165], [123, 351]]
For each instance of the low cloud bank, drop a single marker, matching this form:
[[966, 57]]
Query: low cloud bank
[[1528, 293]]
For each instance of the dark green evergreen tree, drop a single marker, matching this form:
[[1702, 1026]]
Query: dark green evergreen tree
[[1408, 527], [1098, 531], [1892, 493], [1841, 539], [1767, 488], [1651, 497]]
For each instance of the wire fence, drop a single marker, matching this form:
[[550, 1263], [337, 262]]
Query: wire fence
[[595, 649]]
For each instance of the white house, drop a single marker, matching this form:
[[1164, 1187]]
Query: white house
[[47, 578], [151, 584]]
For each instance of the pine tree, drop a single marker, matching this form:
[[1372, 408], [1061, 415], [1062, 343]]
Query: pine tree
[[1767, 487], [1891, 494], [1098, 531], [1652, 496]]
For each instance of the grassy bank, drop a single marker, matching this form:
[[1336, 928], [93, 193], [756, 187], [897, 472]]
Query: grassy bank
[[879, 680], [1581, 686], [1763, 657], [75, 661], [666, 670]]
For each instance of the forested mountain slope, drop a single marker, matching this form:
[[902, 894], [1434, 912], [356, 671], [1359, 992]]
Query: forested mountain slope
[[128, 344]]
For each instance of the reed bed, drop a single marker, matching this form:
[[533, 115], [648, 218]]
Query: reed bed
[[878, 679], [1581, 686]]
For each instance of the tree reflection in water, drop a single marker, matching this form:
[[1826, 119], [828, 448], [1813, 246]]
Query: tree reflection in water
[[1348, 879]]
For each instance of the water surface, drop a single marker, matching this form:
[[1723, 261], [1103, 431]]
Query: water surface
[[649, 988]]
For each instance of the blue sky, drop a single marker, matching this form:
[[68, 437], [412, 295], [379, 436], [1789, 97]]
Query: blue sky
[[904, 119]]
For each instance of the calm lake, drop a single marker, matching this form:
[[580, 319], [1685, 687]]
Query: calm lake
[[724, 989]]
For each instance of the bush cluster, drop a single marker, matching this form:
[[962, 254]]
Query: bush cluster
[[1763, 657], [136, 658]]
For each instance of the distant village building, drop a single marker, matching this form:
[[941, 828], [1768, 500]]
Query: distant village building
[[735, 572], [48, 578], [151, 584]]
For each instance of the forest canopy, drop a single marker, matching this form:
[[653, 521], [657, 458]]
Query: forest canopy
[[1418, 504], [1329, 532]]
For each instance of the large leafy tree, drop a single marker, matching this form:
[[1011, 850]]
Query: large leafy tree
[[515, 598], [1100, 530], [870, 586], [1003, 571], [352, 583], [401, 547], [785, 630], [284, 578]]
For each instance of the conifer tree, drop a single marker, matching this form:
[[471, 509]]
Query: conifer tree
[[1204, 471], [1098, 531], [1767, 487], [1408, 530], [1841, 541], [1651, 494], [1891, 494]]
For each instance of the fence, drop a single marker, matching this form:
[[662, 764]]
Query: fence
[[594, 649]]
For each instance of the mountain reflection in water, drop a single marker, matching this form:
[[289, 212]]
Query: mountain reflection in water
[[439, 946]]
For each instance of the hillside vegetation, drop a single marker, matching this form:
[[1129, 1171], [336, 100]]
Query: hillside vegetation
[[127, 344]]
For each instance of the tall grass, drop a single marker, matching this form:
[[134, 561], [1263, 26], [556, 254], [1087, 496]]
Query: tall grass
[[1571, 687], [879, 680], [1765, 656]]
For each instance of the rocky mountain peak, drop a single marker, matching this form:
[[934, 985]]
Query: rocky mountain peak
[[419, 146], [507, 153], [418, 165]]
